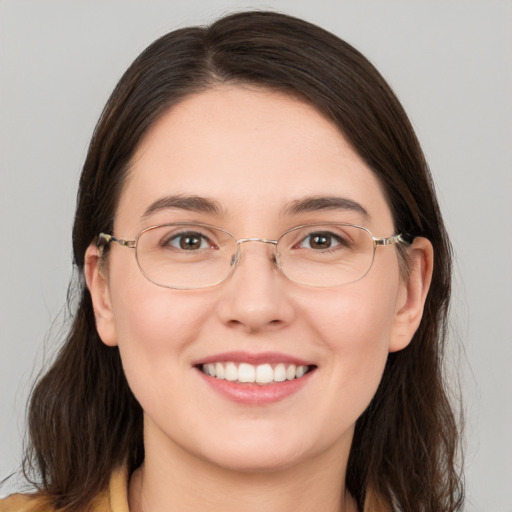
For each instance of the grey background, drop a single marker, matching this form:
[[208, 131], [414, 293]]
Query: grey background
[[450, 62]]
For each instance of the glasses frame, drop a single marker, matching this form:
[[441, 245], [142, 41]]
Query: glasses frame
[[104, 239]]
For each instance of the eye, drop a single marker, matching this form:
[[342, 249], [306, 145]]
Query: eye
[[189, 241], [320, 240]]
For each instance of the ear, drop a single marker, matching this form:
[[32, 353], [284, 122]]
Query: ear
[[96, 278], [412, 296]]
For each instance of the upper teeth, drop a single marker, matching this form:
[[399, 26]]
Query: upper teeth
[[261, 374]]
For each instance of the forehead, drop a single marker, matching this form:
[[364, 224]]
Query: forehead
[[250, 150]]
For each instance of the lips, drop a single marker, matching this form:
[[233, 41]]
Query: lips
[[255, 378]]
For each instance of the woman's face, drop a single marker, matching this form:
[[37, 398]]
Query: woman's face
[[254, 154]]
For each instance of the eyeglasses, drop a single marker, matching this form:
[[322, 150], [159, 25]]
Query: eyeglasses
[[187, 256]]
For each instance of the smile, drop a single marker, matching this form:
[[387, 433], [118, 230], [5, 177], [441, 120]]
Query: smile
[[254, 374]]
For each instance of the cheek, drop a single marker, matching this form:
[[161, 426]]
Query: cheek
[[357, 319], [155, 327], [354, 325]]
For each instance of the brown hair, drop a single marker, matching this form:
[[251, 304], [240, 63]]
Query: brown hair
[[83, 418]]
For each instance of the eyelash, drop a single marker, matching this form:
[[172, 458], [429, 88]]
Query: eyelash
[[175, 237], [334, 238], [187, 234]]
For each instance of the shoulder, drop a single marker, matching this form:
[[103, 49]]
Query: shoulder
[[25, 503], [114, 498]]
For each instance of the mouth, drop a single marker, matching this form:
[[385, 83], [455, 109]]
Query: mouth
[[261, 374]]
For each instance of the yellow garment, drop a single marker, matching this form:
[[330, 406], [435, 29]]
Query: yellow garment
[[114, 499]]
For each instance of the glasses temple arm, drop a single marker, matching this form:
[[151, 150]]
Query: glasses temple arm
[[105, 239], [395, 239]]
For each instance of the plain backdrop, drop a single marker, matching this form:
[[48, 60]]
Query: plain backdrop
[[450, 63]]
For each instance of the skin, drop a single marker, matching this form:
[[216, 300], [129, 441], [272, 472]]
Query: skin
[[254, 152]]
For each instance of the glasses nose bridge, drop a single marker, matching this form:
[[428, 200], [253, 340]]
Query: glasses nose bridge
[[241, 241]]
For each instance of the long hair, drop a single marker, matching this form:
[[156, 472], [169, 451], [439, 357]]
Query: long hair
[[83, 419]]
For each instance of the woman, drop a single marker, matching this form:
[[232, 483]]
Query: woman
[[261, 322]]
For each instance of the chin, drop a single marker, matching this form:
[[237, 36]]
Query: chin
[[271, 449], [270, 460]]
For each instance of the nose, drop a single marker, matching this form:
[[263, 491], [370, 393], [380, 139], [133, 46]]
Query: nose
[[255, 298]]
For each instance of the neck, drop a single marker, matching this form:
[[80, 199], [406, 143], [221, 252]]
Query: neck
[[176, 480]]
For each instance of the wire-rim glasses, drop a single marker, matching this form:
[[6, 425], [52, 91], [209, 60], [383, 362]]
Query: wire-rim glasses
[[187, 256]]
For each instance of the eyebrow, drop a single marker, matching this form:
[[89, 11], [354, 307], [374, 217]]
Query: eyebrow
[[189, 203], [210, 206], [319, 203]]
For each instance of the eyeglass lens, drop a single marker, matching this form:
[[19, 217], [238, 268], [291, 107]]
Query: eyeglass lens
[[189, 256]]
